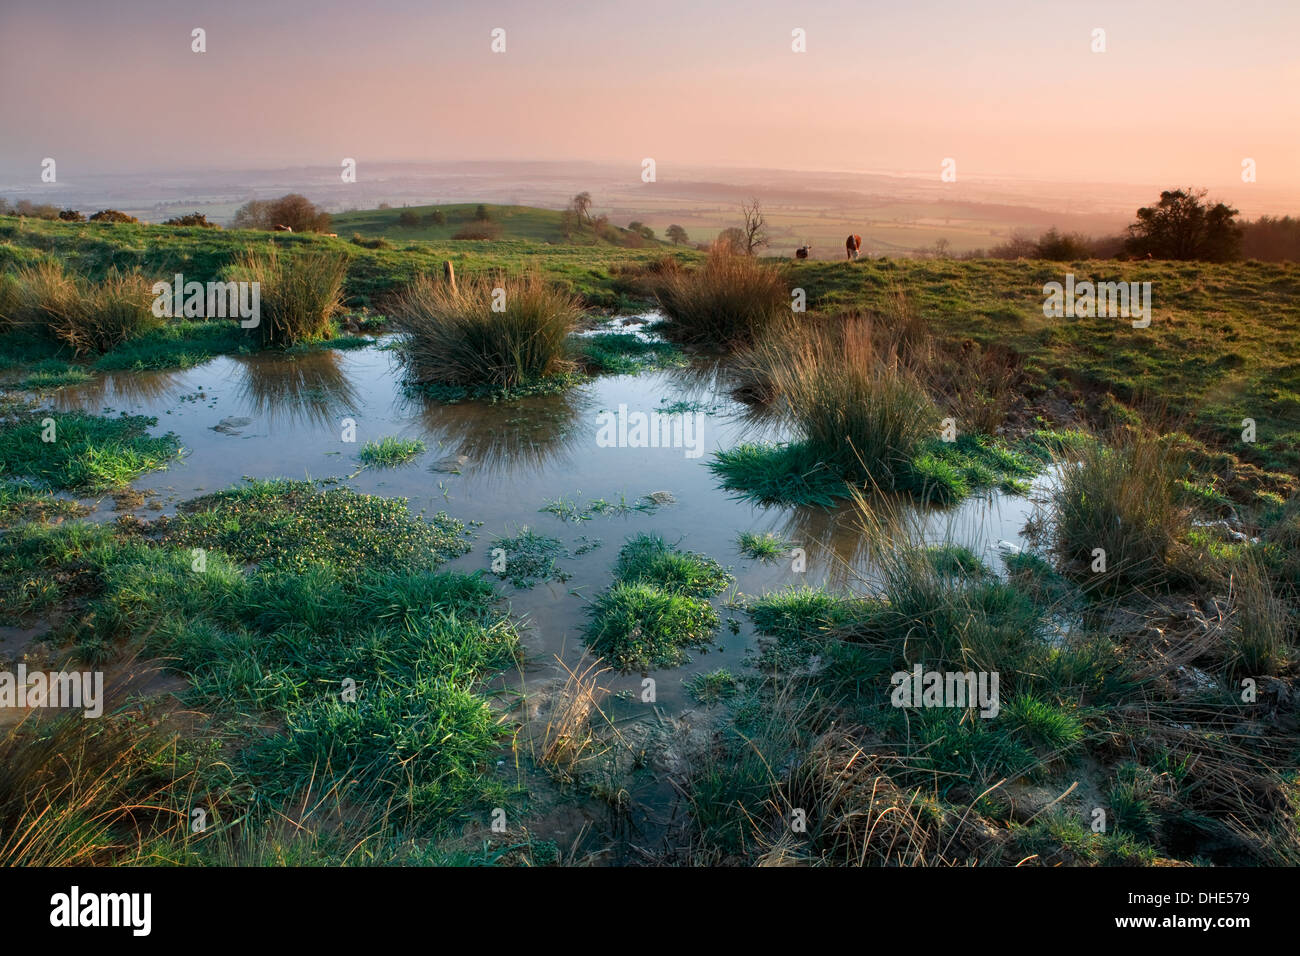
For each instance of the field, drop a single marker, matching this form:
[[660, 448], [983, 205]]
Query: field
[[382, 603]]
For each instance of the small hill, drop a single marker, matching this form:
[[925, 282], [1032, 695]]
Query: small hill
[[462, 221]]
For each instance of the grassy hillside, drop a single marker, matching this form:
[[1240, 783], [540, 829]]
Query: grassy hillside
[[513, 222], [1223, 346]]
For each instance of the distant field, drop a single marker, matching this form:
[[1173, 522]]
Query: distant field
[[1224, 344], [514, 222]]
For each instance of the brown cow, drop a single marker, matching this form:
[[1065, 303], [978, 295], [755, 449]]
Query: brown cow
[[852, 246], [801, 252]]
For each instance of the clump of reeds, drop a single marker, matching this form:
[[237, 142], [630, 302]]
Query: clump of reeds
[[730, 300], [454, 336], [84, 315], [1119, 509], [299, 294]]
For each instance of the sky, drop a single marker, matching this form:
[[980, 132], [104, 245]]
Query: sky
[[1185, 90]]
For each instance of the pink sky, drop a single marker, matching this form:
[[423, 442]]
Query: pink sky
[[1185, 91]]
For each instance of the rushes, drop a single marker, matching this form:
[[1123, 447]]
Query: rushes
[[730, 300], [455, 338], [83, 315], [299, 294], [1120, 509]]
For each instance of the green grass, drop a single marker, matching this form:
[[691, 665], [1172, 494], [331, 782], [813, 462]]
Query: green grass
[[389, 451], [658, 605], [87, 453], [637, 626], [19, 501], [53, 373], [328, 653], [648, 559], [940, 472], [622, 353], [714, 686], [764, 547], [293, 525]]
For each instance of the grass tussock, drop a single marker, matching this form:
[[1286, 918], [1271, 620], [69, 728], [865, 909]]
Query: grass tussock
[[455, 337], [85, 316], [730, 300], [389, 451], [657, 607], [1119, 511], [300, 294]]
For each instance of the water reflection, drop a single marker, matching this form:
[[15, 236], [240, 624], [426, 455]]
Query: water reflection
[[116, 388], [505, 439], [309, 389]]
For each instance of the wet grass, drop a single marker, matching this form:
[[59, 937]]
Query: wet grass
[[527, 558], [765, 547], [328, 653], [657, 607], [623, 353], [292, 525], [81, 452], [939, 472], [648, 559], [389, 452]]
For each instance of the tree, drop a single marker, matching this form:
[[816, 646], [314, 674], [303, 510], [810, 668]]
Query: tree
[[481, 213], [732, 240], [755, 228], [1183, 225], [297, 212], [581, 205], [678, 235], [1061, 246]]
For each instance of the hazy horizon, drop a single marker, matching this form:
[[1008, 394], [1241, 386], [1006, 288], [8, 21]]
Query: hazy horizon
[[1012, 92]]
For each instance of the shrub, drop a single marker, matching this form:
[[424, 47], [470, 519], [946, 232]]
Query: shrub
[[479, 230], [71, 215], [191, 219], [454, 338], [112, 215], [730, 300], [299, 294]]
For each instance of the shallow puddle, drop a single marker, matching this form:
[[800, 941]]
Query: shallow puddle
[[271, 415]]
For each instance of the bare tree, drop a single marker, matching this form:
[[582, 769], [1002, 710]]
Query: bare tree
[[581, 204], [755, 228]]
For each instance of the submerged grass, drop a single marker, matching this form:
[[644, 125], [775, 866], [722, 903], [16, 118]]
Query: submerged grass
[[292, 525]]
